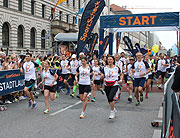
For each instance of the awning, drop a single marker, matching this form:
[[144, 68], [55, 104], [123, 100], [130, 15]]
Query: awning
[[66, 37]]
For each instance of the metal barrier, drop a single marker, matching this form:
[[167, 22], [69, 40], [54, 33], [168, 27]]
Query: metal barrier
[[167, 107]]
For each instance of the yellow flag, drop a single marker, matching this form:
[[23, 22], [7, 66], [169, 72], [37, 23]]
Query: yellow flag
[[58, 2]]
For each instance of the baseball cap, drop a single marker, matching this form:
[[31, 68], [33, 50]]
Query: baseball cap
[[73, 56], [81, 53]]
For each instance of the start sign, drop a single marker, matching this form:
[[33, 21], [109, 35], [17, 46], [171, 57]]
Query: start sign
[[140, 20]]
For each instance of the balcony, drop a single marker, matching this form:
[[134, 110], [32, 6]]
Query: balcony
[[62, 26]]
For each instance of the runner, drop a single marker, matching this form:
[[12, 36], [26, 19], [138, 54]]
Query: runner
[[110, 74], [74, 65], [83, 74], [96, 79], [66, 72], [149, 76], [140, 68], [120, 64], [161, 70], [129, 78], [28, 69], [49, 80]]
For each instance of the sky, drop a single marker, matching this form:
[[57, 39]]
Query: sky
[[168, 38]]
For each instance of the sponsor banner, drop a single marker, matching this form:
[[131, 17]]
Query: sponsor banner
[[93, 43], [89, 18], [118, 39], [11, 81], [106, 42]]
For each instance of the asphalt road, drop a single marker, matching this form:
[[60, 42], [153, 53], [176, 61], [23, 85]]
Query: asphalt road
[[63, 120]]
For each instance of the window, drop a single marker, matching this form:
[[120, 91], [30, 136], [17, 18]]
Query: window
[[5, 35], [74, 3], [79, 22], [79, 4], [5, 3], [43, 42], [20, 4], [67, 18], [33, 38], [43, 10], [67, 1], [74, 20], [20, 36], [32, 7], [60, 15], [52, 15]]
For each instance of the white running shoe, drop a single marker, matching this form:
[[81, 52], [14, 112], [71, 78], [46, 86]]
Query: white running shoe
[[82, 115], [22, 98], [112, 115], [8, 102]]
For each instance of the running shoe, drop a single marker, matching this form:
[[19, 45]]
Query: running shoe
[[146, 96], [93, 99], [8, 102], [102, 91], [82, 115], [112, 115], [116, 98], [68, 90], [72, 95], [115, 110], [150, 89], [160, 86], [157, 85], [57, 95], [34, 105], [16, 100], [78, 96], [22, 98], [141, 98], [30, 103], [137, 103], [130, 99], [46, 111]]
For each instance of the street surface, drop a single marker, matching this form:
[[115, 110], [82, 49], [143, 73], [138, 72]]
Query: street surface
[[63, 120]]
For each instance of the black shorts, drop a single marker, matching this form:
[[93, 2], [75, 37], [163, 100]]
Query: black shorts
[[110, 92], [150, 76], [73, 77], [65, 76], [97, 82], [51, 89], [84, 88], [30, 84], [160, 73]]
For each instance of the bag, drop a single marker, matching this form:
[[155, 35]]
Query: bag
[[110, 83]]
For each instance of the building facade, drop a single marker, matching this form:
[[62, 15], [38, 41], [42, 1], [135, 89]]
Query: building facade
[[24, 22]]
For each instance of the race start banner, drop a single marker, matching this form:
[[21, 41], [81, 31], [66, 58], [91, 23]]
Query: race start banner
[[11, 81]]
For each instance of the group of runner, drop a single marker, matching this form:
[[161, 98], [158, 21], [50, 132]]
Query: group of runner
[[107, 75]]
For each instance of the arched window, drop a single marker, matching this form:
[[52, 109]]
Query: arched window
[[20, 36], [43, 42], [33, 38], [5, 35]]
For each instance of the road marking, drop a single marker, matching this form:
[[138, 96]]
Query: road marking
[[62, 110], [157, 134], [160, 114]]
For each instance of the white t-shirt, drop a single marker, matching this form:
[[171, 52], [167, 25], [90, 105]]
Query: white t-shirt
[[49, 77], [111, 74], [84, 75], [64, 66], [160, 66], [129, 68], [120, 64], [29, 70], [74, 65], [139, 68], [97, 71]]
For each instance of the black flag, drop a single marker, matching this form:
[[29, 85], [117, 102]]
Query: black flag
[[128, 42], [93, 43], [106, 42], [88, 21]]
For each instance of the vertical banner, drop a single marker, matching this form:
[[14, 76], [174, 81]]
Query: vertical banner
[[128, 42], [93, 43], [118, 40], [137, 46], [101, 44], [88, 21], [106, 42], [111, 43]]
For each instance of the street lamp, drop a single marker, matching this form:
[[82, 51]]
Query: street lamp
[[50, 30]]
